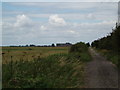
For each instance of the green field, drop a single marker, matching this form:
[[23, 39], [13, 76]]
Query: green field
[[44, 67]]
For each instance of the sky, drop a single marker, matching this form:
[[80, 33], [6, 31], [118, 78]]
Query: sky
[[44, 23], [59, 0]]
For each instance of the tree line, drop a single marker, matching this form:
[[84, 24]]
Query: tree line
[[110, 42]]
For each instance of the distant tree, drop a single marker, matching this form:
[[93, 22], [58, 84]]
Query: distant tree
[[88, 44], [26, 46], [110, 42], [53, 45], [32, 45], [95, 43]]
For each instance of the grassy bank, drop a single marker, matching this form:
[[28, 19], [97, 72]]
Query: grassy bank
[[59, 70]]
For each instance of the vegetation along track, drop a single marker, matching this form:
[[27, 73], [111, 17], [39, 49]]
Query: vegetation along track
[[100, 73]]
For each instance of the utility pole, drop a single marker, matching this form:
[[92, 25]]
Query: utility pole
[[118, 14]]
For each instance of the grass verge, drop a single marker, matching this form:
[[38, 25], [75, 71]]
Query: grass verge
[[111, 56]]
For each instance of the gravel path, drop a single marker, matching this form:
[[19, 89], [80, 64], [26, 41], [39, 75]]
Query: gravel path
[[100, 73]]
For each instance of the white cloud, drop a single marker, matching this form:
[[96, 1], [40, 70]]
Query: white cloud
[[90, 16], [56, 20], [72, 31], [103, 23], [22, 20], [42, 27]]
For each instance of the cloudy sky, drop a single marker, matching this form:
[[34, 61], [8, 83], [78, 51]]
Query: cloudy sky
[[60, 0], [47, 23]]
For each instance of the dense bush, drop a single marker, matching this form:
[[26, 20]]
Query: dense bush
[[79, 47], [111, 43], [80, 51]]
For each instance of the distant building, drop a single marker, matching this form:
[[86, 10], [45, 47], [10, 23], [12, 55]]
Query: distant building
[[63, 44]]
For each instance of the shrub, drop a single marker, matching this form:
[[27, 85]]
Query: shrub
[[79, 47]]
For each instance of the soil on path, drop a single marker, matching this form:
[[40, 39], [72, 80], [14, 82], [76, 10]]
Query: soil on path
[[100, 73]]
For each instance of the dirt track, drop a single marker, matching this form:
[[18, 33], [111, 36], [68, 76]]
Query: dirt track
[[100, 73]]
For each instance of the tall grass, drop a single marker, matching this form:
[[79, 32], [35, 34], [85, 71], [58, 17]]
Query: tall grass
[[57, 70], [60, 70]]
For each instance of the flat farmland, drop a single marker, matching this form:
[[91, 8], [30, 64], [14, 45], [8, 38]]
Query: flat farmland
[[29, 53]]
